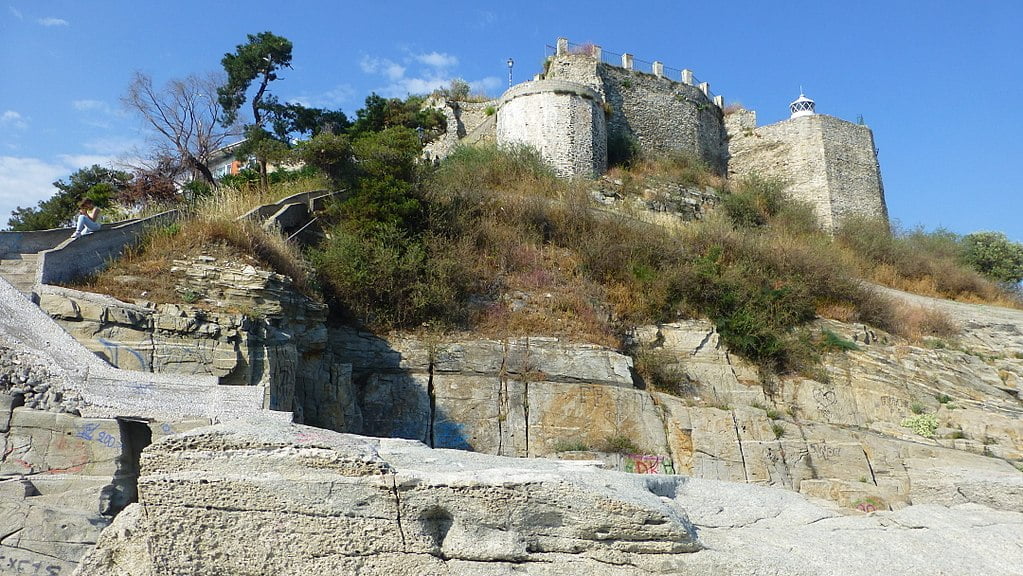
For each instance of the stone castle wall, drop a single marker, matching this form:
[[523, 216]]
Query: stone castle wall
[[659, 113], [563, 120], [826, 161], [467, 122], [583, 107]]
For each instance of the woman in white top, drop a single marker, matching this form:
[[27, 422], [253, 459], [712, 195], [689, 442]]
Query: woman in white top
[[88, 219]]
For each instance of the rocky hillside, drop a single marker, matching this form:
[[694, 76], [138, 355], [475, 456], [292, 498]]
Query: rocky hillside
[[262, 498], [671, 453]]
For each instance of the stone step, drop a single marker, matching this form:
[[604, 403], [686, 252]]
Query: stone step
[[20, 270], [125, 394]]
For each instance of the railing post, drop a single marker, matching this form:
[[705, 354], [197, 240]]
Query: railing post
[[658, 69], [562, 46], [687, 76], [720, 101], [597, 53], [705, 88], [627, 61]]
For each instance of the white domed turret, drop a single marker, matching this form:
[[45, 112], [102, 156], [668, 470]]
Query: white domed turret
[[802, 106]]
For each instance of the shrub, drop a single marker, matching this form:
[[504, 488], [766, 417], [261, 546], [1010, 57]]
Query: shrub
[[923, 424], [384, 277], [832, 341], [622, 149], [661, 371], [994, 255], [619, 444], [753, 201]]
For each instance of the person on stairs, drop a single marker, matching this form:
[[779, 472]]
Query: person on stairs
[[88, 219]]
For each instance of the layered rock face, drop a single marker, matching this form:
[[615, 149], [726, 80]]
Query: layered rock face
[[839, 435], [258, 497]]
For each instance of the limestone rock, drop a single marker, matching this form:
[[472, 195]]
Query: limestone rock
[[299, 500]]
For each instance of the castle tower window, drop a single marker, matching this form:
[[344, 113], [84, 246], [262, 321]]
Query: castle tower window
[[802, 106]]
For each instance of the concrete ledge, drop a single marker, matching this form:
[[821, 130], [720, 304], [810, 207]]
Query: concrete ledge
[[74, 259], [139, 396], [313, 200]]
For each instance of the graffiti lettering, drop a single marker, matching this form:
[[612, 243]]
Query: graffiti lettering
[[140, 388], [85, 431], [825, 400], [16, 566], [648, 464], [88, 432], [871, 504], [894, 403], [114, 350], [825, 451]]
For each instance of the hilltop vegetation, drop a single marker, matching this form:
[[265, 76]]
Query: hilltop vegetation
[[490, 241]]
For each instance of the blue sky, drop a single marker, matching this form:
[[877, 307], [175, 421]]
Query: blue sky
[[939, 82]]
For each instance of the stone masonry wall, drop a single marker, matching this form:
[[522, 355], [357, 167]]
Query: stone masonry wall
[[465, 120], [827, 162], [659, 113], [853, 173], [564, 121]]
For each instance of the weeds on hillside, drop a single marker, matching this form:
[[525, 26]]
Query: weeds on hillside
[[927, 263], [209, 225]]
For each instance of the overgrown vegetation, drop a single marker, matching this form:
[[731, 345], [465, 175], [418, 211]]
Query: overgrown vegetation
[[491, 241], [979, 267]]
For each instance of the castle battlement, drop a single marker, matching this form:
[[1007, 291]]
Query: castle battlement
[[582, 110]]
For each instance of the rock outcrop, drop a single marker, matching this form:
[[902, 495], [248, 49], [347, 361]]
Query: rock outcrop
[[254, 497]]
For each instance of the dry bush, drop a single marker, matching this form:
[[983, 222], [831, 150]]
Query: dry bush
[[926, 263], [915, 323], [673, 166], [210, 227]]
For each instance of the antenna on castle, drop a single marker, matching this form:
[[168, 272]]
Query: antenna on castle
[[510, 64]]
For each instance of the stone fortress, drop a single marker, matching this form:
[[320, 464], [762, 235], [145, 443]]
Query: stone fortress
[[581, 107]]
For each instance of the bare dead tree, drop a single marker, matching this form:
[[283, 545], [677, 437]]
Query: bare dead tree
[[185, 116]]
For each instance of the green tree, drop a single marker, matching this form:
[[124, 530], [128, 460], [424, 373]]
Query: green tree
[[384, 190], [298, 119], [330, 153], [255, 63], [380, 113], [994, 255], [101, 185]]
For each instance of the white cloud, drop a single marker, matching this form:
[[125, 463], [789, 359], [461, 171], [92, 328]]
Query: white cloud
[[113, 146], [13, 119], [89, 105], [437, 60], [405, 86], [26, 181], [382, 66], [334, 98], [76, 161], [51, 21], [15, 12], [437, 72]]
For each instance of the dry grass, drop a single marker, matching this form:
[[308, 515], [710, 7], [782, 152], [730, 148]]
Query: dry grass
[[925, 263], [211, 227], [918, 323]]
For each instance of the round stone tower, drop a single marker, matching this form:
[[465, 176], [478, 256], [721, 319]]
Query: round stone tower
[[563, 120]]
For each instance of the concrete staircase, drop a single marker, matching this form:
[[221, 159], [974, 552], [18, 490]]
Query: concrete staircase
[[20, 270], [108, 392]]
